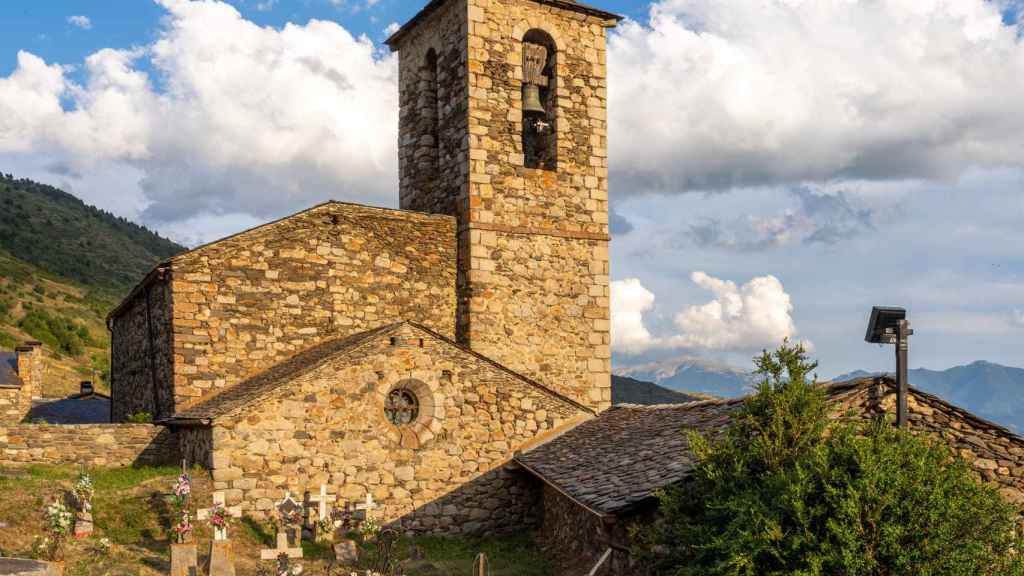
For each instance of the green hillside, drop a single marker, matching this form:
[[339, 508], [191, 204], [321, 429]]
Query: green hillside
[[63, 266], [62, 235]]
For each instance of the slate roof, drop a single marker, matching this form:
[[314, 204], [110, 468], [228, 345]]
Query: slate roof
[[617, 461], [90, 409], [433, 5], [257, 387], [9, 369]]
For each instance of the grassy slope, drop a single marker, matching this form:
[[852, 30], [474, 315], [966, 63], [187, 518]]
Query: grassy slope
[[25, 288], [70, 263], [130, 509]]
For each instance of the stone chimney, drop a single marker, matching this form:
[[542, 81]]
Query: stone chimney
[[86, 388], [30, 367]]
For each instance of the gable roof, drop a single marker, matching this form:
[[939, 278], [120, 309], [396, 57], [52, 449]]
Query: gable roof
[[77, 409], [252, 390], [433, 5], [355, 210], [619, 460], [9, 370]]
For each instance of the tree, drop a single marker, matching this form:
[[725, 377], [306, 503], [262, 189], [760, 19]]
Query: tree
[[785, 490]]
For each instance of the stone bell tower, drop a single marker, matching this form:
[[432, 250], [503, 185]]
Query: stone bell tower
[[504, 125]]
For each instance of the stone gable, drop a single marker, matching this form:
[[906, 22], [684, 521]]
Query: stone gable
[[214, 316], [327, 424]]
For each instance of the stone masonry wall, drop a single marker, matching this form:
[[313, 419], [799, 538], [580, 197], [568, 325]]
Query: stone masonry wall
[[15, 402], [996, 455], [445, 474], [141, 353], [16, 398], [433, 150], [572, 536], [533, 242], [111, 445], [246, 303], [537, 275]]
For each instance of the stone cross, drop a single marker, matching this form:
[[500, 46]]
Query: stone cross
[[287, 508], [220, 533], [281, 549]]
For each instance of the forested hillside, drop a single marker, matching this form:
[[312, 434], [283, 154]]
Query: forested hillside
[[63, 266], [62, 235]]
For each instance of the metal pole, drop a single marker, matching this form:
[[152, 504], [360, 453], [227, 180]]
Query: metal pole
[[902, 352]]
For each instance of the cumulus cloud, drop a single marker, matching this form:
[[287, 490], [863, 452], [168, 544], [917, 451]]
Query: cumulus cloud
[[629, 302], [818, 218], [756, 315], [82, 22], [247, 119], [713, 95]]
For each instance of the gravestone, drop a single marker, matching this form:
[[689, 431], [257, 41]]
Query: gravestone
[[20, 567], [323, 502], [290, 513], [222, 561]]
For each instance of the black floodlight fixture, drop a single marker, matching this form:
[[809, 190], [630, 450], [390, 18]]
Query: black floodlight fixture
[[885, 320], [889, 325]]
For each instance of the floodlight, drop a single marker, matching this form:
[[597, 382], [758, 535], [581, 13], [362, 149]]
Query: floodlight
[[889, 325]]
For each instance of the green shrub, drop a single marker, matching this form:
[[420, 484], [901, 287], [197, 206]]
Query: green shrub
[[57, 332], [140, 418], [7, 342], [783, 492]]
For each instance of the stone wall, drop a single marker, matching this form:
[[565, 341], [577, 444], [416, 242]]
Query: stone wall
[[109, 445], [572, 536], [141, 355], [16, 396], [248, 302], [433, 117], [533, 242], [231, 309], [444, 474], [15, 403], [996, 454]]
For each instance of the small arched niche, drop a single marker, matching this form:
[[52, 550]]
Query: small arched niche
[[540, 100]]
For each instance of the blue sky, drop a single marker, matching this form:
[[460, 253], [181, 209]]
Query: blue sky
[[776, 166], [43, 27]]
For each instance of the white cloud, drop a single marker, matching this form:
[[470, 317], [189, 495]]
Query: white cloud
[[629, 301], [248, 119], [82, 22], [718, 94], [266, 5], [755, 315], [391, 29]]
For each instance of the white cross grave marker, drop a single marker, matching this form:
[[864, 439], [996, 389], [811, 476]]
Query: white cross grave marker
[[366, 507], [220, 533], [323, 502]]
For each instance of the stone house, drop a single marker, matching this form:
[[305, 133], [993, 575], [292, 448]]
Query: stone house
[[407, 354], [601, 477], [21, 378]]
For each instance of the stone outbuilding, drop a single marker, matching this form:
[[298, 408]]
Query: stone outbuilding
[[603, 475]]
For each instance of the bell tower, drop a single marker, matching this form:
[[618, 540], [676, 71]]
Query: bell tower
[[503, 125]]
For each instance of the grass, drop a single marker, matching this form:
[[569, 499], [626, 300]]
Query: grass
[[131, 510]]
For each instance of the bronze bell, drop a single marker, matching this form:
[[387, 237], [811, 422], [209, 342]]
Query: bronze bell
[[532, 105]]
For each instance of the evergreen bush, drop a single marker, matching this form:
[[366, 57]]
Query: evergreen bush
[[785, 491]]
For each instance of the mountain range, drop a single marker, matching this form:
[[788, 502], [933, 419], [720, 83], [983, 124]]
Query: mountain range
[[992, 391]]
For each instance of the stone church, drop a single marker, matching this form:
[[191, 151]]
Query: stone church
[[407, 354]]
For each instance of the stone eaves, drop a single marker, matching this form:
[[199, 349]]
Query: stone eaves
[[433, 5]]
